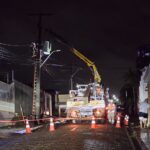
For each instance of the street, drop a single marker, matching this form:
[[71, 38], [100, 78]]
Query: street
[[70, 137]]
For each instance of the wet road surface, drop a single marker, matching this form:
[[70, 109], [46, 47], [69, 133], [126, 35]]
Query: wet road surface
[[70, 137]]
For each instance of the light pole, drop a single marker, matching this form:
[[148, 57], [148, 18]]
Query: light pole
[[71, 78], [36, 82], [48, 57]]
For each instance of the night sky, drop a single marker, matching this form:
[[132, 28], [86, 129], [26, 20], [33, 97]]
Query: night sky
[[107, 32]]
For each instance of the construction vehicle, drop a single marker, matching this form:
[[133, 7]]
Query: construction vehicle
[[88, 99]]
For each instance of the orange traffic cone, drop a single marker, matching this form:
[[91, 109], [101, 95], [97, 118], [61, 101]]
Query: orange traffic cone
[[28, 129], [51, 125], [126, 120], [93, 123], [118, 122]]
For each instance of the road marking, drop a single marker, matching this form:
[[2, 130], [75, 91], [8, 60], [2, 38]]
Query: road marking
[[73, 129]]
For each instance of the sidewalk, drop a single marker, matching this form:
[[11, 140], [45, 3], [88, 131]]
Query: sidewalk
[[7, 131], [143, 137]]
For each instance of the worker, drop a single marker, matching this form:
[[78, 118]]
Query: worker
[[111, 111]]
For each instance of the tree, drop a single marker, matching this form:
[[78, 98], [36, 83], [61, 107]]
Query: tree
[[128, 93]]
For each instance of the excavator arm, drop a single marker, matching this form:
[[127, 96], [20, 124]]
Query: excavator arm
[[89, 63]]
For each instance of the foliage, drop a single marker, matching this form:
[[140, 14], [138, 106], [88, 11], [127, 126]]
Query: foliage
[[128, 93]]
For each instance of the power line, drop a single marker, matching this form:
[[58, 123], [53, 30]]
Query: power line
[[9, 56], [15, 45]]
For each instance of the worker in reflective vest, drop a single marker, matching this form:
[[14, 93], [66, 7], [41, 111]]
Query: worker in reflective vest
[[111, 112]]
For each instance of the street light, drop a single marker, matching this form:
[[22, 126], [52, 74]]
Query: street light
[[47, 48], [48, 57], [37, 69], [71, 78]]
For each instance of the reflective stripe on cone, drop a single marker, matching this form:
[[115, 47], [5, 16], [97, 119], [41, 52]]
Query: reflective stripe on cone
[[28, 129], [51, 125], [93, 123], [118, 122]]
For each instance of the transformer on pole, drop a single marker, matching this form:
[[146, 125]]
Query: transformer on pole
[[37, 64], [37, 71]]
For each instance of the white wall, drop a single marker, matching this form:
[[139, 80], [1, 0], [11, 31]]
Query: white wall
[[143, 94], [8, 107]]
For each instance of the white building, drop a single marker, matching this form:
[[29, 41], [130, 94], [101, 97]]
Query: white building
[[144, 88], [143, 92]]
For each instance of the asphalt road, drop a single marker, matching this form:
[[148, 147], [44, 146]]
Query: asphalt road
[[70, 137]]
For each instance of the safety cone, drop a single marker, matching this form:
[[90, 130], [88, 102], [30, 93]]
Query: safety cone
[[28, 129], [126, 120], [73, 121], [93, 123], [51, 125], [118, 122]]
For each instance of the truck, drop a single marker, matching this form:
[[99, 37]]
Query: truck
[[87, 100]]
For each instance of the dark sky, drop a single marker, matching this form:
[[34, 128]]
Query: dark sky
[[107, 32]]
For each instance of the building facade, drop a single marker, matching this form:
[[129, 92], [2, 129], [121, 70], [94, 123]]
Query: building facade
[[144, 88], [16, 100]]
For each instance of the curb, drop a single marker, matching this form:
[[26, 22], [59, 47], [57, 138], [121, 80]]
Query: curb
[[139, 141], [130, 139], [135, 140]]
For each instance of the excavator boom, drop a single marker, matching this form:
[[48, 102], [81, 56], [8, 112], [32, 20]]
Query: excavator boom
[[89, 63]]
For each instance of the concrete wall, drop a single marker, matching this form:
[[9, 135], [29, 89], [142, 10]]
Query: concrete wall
[[7, 92], [62, 101], [7, 98], [4, 115], [23, 98], [12, 96], [8, 107], [17, 98], [63, 98]]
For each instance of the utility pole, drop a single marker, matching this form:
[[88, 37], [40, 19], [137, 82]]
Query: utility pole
[[36, 83], [37, 70]]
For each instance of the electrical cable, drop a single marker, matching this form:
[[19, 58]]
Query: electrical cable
[[8, 56], [15, 45]]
